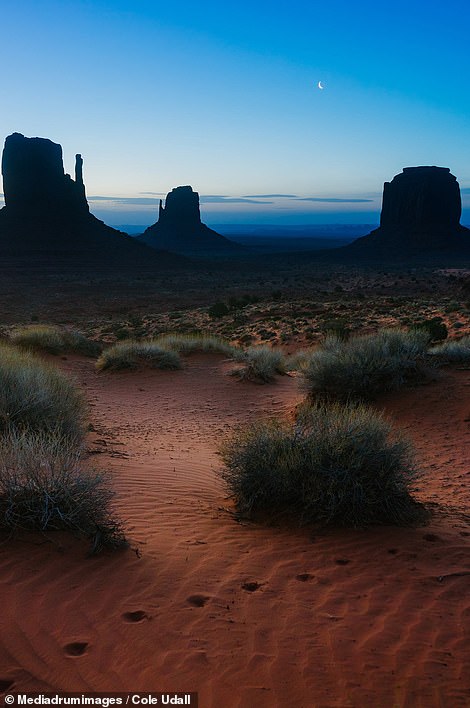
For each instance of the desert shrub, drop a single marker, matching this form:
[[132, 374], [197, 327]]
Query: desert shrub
[[35, 395], [455, 350], [132, 355], [363, 367], [298, 360], [188, 343], [53, 340], [42, 337], [434, 327], [45, 487], [261, 363], [336, 328], [218, 309], [336, 463]]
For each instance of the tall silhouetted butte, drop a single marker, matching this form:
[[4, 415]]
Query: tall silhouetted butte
[[46, 213]]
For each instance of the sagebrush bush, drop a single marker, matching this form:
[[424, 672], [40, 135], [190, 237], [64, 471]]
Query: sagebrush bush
[[217, 310], [435, 328], [299, 360], [35, 395], [363, 367], [337, 463], [454, 350], [261, 363], [133, 355], [188, 343], [53, 340], [45, 487]]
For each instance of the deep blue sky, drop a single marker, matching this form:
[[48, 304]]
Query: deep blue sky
[[223, 96]]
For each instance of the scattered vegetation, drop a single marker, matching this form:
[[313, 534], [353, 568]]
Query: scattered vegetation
[[336, 328], [218, 309], [455, 350], [133, 354], [34, 395], [188, 343], [54, 340], [435, 328], [234, 304], [336, 463], [363, 367], [299, 360], [45, 487], [261, 363]]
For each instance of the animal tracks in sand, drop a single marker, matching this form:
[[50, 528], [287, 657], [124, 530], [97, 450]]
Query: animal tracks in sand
[[75, 649], [135, 617]]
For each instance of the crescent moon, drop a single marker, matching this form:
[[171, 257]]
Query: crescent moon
[[320, 86]]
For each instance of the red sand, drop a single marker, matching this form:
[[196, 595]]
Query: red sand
[[248, 616]]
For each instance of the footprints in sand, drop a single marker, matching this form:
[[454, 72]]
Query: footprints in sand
[[304, 577], [198, 600], [134, 617], [251, 586], [75, 649], [432, 537]]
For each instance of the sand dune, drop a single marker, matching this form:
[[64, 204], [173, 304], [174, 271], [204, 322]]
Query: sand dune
[[246, 615]]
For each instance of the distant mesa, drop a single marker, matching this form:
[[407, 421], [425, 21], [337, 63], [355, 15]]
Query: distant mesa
[[421, 210], [179, 228], [46, 213]]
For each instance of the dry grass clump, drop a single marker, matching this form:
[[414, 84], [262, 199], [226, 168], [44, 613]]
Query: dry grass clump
[[188, 343], [457, 351], [45, 487], [133, 355], [363, 367], [54, 340], [261, 363], [299, 360], [338, 464], [34, 395]]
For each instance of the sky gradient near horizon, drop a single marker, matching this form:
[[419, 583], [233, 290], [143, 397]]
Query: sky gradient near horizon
[[225, 97]]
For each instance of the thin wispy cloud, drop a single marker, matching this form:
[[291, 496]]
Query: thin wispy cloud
[[223, 199], [131, 201], [207, 199], [332, 200], [204, 199], [270, 196]]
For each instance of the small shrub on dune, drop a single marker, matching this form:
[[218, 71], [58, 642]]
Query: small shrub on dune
[[299, 360], [189, 343], [261, 363], [363, 367], [435, 328], [35, 395], [134, 355], [455, 351], [217, 310], [39, 337], [53, 340], [44, 487], [338, 464]]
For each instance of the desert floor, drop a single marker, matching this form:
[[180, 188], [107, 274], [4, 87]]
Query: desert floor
[[246, 615]]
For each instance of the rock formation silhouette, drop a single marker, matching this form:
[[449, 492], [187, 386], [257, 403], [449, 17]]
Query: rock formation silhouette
[[179, 228], [421, 209], [46, 213]]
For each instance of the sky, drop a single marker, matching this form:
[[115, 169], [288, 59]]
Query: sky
[[224, 96]]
